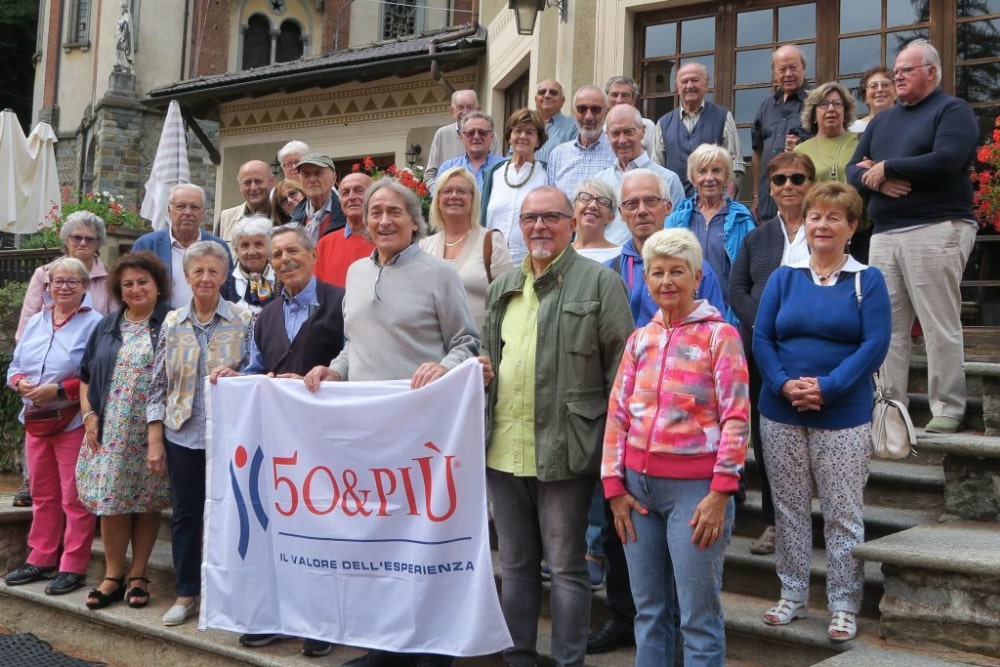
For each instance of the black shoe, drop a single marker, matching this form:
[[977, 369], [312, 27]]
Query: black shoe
[[251, 640], [28, 573], [23, 497], [65, 582], [316, 648], [612, 635], [376, 658]]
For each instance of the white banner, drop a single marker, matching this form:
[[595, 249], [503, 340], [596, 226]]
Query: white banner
[[355, 515]]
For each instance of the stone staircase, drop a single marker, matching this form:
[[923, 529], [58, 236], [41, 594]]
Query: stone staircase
[[932, 587]]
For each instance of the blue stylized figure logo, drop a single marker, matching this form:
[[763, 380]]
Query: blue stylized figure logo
[[240, 461]]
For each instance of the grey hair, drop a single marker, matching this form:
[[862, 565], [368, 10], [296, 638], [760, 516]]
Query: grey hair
[[251, 225], [78, 219], [706, 154], [297, 147], [675, 242], [626, 80], [639, 173], [410, 201], [73, 265], [817, 94], [293, 228], [188, 186], [468, 91], [931, 56], [206, 248], [701, 66], [469, 115], [600, 187], [631, 112], [604, 96]]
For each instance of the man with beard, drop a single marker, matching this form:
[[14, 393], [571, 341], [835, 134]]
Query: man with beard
[[302, 329], [590, 152], [338, 250]]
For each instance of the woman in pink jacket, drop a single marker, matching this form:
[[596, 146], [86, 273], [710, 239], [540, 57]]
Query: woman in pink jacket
[[673, 449]]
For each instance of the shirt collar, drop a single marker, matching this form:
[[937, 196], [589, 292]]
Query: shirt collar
[[400, 257], [327, 205], [685, 114], [223, 309], [850, 266], [305, 298]]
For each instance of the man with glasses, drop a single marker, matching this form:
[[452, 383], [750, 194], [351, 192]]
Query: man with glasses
[[186, 208], [912, 165], [625, 133], [447, 141], [693, 123], [554, 333], [476, 132], [588, 154], [255, 181], [778, 125], [559, 128]]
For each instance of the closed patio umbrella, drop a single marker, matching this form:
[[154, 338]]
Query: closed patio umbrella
[[170, 167]]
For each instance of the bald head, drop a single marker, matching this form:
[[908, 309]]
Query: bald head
[[789, 63], [255, 181]]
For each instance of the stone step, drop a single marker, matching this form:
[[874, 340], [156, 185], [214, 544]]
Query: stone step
[[755, 576]]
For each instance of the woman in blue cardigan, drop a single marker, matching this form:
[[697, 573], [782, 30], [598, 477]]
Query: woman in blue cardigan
[[720, 223], [822, 329]]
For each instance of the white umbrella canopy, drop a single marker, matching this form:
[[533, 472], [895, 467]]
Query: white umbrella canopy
[[15, 172], [44, 200], [170, 167]]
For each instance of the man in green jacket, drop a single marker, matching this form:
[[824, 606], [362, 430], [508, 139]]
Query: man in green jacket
[[554, 332]]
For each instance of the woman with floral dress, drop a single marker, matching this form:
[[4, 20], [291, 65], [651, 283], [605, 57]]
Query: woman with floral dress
[[113, 478]]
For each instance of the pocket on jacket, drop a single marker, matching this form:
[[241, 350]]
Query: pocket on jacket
[[585, 434], [677, 419], [579, 327]]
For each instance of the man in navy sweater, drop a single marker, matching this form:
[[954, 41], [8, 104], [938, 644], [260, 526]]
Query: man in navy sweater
[[913, 166]]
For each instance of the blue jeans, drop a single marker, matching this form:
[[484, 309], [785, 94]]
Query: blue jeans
[[186, 471], [536, 520], [663, 543], [596, 523]]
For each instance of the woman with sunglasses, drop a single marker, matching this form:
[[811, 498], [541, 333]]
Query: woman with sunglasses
[[82, 235], [778, 242], [594, 207]]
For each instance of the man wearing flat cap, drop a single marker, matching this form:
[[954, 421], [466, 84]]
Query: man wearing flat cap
[[320, 212]]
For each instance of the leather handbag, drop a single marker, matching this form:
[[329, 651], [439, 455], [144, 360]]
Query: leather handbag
[[893, 436], [42, 422]]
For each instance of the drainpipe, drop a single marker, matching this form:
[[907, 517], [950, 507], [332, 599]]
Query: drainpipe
[[184, 38], [468, 31]]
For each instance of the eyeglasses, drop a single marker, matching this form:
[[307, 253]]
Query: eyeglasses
[[187, 207], [71, 283], [880, 85], [549, 218], [907, 71], [290, 164], [469, 134], [595, 109], [451, 192], [291, 196], [82, 240], [552, 92], [586, 199], [649, 202], [796, 179], [828, 104]]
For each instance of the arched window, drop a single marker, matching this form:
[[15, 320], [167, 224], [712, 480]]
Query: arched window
[[257, 42], [289, 42]]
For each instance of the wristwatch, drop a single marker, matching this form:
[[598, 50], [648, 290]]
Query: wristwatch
[[60, 390]]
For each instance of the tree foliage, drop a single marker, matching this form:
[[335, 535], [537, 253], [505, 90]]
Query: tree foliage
[[18, 29]]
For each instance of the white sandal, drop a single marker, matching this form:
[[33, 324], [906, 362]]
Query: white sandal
[[842, 628], [785, 612]]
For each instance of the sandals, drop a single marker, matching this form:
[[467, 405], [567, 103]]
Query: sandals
[[842, 628], [98, 600], [138, 596], [785, 612]]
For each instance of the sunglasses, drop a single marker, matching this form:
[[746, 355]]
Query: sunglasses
[[552, 92], [796, 179], [595, 109]]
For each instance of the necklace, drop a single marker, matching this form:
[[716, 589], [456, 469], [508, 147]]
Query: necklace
[[139, 321], [456, 241], [514, 186], [823, 277], [836, 160]]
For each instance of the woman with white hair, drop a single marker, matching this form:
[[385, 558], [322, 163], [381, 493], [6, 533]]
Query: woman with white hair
[[673, 450], [204, 334], [82, 235], [252, 282], [594, 207], [719, 222]]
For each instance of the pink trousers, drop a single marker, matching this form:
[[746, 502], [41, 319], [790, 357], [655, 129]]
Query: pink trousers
[[58, 515]]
